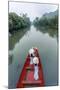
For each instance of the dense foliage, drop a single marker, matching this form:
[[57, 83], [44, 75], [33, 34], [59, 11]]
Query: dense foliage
[[17, 22], [47, 22]]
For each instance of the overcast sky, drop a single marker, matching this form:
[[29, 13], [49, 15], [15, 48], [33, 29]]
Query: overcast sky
[[32, 9]]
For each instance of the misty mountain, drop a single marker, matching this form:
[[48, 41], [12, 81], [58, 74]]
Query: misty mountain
[[51, 14]]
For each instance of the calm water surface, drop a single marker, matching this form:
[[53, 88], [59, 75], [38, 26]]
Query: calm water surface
[[47, 46]]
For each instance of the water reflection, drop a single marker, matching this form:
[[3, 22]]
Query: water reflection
[[14, 40], [50, 31], [47, 47], [16, 36], [10, 56]]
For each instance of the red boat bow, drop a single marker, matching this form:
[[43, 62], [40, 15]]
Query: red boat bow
[[26, 78]]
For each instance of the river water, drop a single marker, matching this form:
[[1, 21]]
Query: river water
[[21, 42]]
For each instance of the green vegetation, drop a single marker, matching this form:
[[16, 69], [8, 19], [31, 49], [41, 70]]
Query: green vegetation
[[18, 22], [16, 36], [47, 20]]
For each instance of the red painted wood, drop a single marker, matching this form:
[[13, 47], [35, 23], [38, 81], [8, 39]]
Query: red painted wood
[[26, 77], [29, 75]]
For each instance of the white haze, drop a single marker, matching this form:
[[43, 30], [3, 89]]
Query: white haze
[[33, 10]]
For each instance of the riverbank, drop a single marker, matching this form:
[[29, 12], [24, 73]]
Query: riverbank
[[17, 22]]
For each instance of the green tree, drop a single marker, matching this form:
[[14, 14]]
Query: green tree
[[17, 22]]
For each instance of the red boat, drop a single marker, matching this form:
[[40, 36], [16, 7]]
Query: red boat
[[26, 78]]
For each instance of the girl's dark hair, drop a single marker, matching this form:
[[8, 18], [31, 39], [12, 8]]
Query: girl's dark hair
[[32, 55], [35, 64]]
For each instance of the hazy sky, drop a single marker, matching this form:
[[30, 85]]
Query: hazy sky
[[32, 9]]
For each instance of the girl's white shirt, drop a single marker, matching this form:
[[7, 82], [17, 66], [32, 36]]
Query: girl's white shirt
[[36, 77]]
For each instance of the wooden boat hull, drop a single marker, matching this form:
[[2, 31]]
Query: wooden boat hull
[[26, 78]]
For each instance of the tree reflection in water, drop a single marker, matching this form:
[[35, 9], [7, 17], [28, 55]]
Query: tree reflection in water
[[50, 31]]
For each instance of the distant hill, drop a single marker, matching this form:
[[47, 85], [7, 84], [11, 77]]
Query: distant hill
[[48, 20], [51, 14]]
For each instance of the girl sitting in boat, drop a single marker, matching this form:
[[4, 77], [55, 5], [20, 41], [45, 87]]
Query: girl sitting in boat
[[35, 62], [32, 55]]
